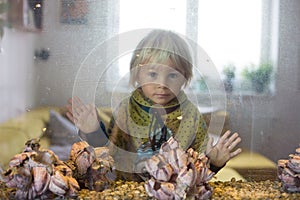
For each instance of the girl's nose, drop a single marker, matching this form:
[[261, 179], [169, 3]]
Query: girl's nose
[[162, 82]]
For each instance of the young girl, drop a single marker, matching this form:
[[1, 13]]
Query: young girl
[[161, 66]]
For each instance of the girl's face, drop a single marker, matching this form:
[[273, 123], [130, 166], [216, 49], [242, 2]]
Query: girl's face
[[160, 82]]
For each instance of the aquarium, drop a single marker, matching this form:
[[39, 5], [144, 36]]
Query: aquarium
[[245, 78]]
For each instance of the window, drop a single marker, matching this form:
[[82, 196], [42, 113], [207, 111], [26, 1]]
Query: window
[[167, 14], [228, 31]]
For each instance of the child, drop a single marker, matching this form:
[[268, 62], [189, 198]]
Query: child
[[161, 66]]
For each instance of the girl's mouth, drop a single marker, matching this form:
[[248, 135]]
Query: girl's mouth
[[161, 95]]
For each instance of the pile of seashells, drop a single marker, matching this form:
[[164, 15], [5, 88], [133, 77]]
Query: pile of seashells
[[178, 174], [38, 173], [289, 172]]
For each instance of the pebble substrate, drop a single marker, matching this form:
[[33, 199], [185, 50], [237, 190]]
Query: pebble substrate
[[221, 190]]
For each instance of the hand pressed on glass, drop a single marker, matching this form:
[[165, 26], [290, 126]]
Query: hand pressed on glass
[[84, 116], [223, 150]]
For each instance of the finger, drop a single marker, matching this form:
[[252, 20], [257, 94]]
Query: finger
[[70, 116], [234, 143], [230, 140], [75, 104], [69, 108], [78, 102], [70, 100], [224, 137], [235, 153]]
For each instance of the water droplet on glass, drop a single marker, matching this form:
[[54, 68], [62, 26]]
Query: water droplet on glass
[[48, 90], [27, 109], [1, 50]]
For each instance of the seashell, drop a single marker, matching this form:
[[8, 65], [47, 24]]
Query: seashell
[[193, 154], [58, 183], [160, 190], [159, 168], [38, 173], [171, 143], [41, 179], [64, 169], [94, 167], [152, 164], [203, 192], [25, 194], [164, 173], [56, 189], [206, 174], [84, 161], [19, 159], [73, 187], [177, 159], [23, 178], [32, 193], [187, 176], [32, 145], [189, 173], [282, 163], [47, 157], [294, 167], [77, 149], [289, 172], [294, 163]]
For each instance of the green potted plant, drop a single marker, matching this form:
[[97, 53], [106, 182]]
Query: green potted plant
[[201, 84], [259, 76], [229, 72]]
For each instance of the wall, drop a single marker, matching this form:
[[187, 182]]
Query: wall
[[17, 72], [69, 45], [287, 103]]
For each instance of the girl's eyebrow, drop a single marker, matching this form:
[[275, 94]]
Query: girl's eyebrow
[[150, 66], [154, 66]]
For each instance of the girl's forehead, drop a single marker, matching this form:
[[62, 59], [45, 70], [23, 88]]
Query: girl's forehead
[[165, 65], [158, 67]]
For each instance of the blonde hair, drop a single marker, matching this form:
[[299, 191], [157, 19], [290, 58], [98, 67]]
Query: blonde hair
[[159, 46]]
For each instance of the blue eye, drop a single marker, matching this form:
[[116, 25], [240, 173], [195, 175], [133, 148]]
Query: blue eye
[[152, 74], [173, 75]]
